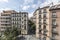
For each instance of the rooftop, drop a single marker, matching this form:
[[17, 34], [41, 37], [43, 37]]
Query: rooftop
[[55, 7]]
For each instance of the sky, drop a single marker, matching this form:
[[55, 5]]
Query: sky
[[24, 5]]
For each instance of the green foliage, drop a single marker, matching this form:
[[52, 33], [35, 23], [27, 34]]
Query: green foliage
[[32, 26], [10, 34]]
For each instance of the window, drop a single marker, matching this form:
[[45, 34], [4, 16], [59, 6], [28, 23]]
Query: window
[[22, 27], [16, 15], [44, 16], [53, 14], [22, 22], [13, 15], [39, 16], [54, 29], [16, 18], [54, 21], [24, 15], [22, 18], [44, 20], [40, 31], [39, 11], [3, 27], [44, 10], [39, 26], [44, 38], [40, 38], [5, 24], [25, 27], [44, 27], [44, 13], [39, 20], [5, 14], [53, 35]]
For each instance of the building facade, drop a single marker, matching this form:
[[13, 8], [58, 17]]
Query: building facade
[[55, 21], [11, 18], [47, 22]]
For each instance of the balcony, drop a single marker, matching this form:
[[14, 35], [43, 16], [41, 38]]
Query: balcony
[[54, 31], [53, 38], [6, 23], [40, 23], [40, 32], [39, 16], [45, 30], [54, 26], [44, 11], [5, 20], [44, 16], [2, 29], [22, 28], [44, 34], [54, 16], [44, 23], [40, 28]]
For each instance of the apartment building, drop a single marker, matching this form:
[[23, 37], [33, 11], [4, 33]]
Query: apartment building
[[24, 23], [42, 24], [5, 20], [55, 21], [47, 22], [11, 18]]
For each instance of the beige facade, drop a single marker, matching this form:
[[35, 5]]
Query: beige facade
[[55, 28], [11, 18], [47, 22], [24, 22], [42, 23]]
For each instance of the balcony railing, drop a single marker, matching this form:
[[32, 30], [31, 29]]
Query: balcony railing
[[44, 17], [53, 38], [54, 26], [40, 28], [40, 31], [45, 30], [40, 23], [44, 23], [44, 34], [55, 32], [54, 16]]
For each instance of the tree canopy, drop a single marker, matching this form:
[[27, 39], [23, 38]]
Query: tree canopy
[[32, 27], [10, 34]]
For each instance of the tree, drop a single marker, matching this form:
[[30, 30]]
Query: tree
[[32, 27], [10, 34]]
